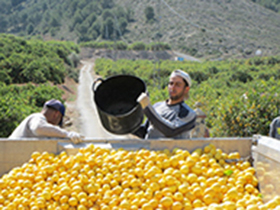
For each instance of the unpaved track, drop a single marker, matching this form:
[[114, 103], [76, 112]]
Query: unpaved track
[[91, 126]]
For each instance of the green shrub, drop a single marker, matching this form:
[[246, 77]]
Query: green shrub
[[17, 102]]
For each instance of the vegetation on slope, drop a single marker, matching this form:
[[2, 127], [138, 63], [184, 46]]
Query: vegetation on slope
[[35, 61]]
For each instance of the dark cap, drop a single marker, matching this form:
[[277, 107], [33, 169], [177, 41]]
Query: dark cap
[[57, 105]]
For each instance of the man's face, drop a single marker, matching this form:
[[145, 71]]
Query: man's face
[[177, 88], [56, 117]]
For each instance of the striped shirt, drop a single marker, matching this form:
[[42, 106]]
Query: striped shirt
[[168, 121]]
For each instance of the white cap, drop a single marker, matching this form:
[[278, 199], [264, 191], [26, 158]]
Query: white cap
[[182, 74]]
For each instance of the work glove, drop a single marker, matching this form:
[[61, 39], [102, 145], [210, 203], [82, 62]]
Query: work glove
[[76, 138], [143, 100]]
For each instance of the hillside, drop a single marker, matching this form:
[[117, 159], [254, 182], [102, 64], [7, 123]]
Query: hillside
[[204, 29], [209, 28]]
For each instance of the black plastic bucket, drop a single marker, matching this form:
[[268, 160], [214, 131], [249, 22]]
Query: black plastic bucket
[[115, 99]]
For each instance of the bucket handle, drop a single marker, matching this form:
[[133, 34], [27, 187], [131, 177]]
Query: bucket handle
[[94, 83]]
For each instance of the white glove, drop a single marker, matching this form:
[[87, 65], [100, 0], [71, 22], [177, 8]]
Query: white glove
[[144, 100], [76, 138]]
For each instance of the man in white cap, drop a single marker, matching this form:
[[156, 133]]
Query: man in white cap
[[172, 118], [47, 123]]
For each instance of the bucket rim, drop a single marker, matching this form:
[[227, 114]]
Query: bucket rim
[[122, 115], [123, 75]]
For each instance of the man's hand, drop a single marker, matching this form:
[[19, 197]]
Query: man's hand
[[144, 100], [76, 138]]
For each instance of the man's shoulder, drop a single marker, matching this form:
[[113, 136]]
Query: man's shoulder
[[186, 106], [36, 115]]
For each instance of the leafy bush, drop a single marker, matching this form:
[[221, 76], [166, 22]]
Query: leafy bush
[[17, 102], [34, 60], [137, 46]]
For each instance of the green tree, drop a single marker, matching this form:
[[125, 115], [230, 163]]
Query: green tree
[[77, 18], [82, 28], [30, 28], [108, 28], [122, 24], [97, 27], [107, 14], [54, 22], [149, 13], [3, 23], [16, 2], [107, 4], [91, 19]]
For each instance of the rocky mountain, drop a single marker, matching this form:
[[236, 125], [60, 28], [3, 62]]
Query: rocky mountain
[[210, 29]]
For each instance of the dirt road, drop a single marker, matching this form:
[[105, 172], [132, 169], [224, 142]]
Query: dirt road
[[91, 126]]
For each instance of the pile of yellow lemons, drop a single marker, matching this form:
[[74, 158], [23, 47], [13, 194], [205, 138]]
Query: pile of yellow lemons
[[102, 179]]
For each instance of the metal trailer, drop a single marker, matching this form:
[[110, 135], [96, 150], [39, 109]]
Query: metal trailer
[[264, 150]]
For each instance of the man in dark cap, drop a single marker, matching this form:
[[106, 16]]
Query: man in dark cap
[[47, 123]]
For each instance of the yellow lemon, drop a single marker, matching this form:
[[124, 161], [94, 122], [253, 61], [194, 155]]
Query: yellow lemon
[[192, 178], [147, 206], [65, 190], [166, 202], [177, 205], [125, 204]]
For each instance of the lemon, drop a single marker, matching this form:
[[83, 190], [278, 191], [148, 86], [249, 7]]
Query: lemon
[[229, 205], [170, 180], [63, 199], [192, 178], [81, 207], [125, 204], [178, 196], [207, 149], [73, 201], [215, 206], [65, 190], [216, 187], [166, 202], [190, 161], [147, 206], [208, 199], [154, 202], [177, 205], [197, 203], [183, 188], [184, 169], [46, 195]]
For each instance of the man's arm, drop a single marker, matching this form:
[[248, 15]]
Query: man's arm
[[40, 127], [166, 127], [142, 131], [169, 129]]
